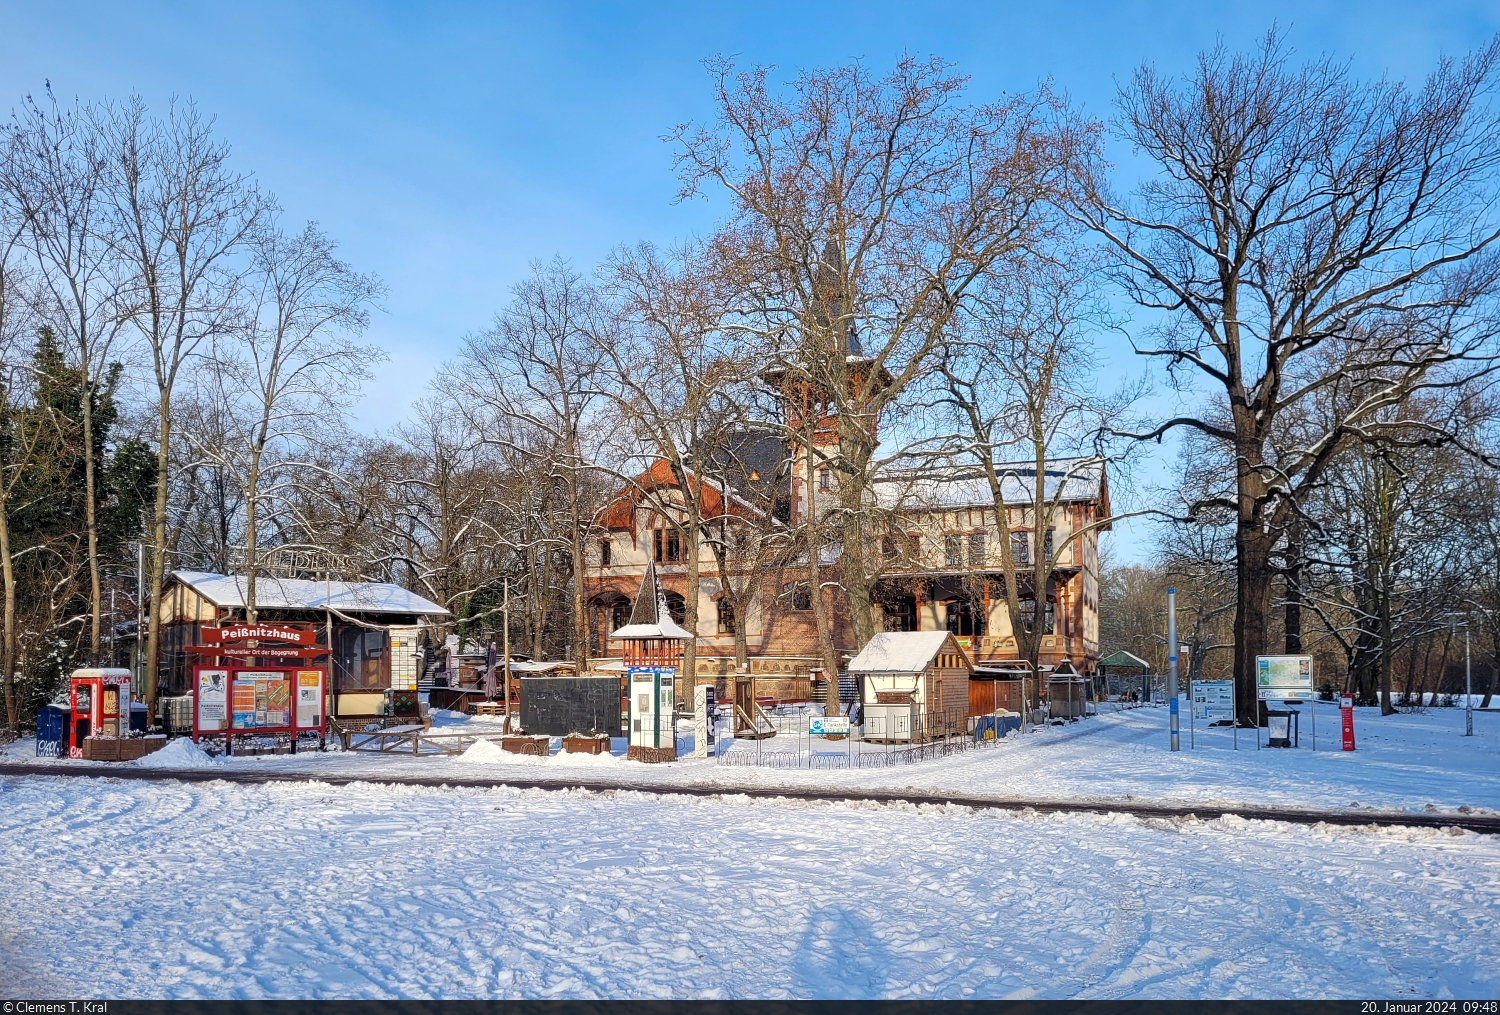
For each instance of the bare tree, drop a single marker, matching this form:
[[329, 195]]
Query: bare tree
[[865, 211], [181, 214], [1021, 386], [1295, 210], [672, 373], [530, 386], [286, 373], [54, 171]]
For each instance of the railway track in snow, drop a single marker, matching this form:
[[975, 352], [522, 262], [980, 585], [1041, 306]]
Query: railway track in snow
[[1484, 823]]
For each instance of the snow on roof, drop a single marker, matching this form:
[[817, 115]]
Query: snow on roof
[[951, 487], [302, 594], [898, 652], [1123, 658]]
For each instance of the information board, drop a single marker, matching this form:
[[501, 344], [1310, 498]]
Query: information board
[[1213, 700], [213, 698], [829, 725], [1284, 678]]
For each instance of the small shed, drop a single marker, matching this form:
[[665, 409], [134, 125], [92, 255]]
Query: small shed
[[1124, 674], [928, 669]]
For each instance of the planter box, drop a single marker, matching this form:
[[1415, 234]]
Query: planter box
[[107, 749], [586, 745], [540, 747], [651, 755]]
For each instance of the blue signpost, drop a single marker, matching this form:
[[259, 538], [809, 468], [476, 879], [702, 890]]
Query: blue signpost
[[1172, 664]]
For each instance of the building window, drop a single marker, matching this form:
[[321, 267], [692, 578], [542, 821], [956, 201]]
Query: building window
[[359, 660], [605, 552], [676, 608], [901, 614], [965, 619], [799, 600], [825, 481], [1047, 545], [1028, 615], [888, 548], [667, 546], [726, 617], [953, 551], [976, 549], [1020, 547]]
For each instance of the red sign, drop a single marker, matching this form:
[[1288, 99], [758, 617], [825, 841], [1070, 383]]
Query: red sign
[[1346, 706], [256, 632]]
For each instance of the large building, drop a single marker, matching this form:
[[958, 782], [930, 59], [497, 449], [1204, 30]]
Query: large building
[[940, 562]]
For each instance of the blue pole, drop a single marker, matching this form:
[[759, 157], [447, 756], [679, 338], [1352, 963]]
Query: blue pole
[[1172, 664]]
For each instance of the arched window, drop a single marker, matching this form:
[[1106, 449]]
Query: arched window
[[677, 607]]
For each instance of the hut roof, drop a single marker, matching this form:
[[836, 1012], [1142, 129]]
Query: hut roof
[[1123, 658], [302, 594], [900, 652]]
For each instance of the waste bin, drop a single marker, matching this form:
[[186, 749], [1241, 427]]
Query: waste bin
[[138, 716], [51, 722], [1281, 727]]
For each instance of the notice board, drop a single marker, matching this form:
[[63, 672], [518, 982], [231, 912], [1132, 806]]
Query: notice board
[[558, 706]]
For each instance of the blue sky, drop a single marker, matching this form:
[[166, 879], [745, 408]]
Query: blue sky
[[447, 145]]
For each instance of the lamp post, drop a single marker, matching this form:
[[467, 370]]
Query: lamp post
[[1468, 687]]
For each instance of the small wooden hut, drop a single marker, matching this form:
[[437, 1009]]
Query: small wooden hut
[[915, 684]]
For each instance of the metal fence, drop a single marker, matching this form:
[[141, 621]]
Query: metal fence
[[933, 735]]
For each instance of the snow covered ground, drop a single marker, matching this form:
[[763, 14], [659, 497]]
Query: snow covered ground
[[1406, 762], [164, 889], [301, 889]]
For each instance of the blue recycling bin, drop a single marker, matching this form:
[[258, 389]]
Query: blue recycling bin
[[51, 721]]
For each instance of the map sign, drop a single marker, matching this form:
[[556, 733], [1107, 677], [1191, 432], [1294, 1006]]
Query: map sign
[[1284, 678], [1213, 700]]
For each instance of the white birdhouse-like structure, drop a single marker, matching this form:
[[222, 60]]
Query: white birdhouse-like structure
[[652, 650]]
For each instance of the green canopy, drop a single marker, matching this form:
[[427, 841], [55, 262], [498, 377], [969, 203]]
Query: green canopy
[[1124, 660]]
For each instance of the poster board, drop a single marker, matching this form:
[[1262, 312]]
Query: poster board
[[1213, 700], [404, 659], [1284, 678], [257, 700]]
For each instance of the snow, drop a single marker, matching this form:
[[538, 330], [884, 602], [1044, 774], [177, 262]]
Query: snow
[[898, 652], [485, 752], [302, 594], [1409, 762], [179, 753], [219, 890]]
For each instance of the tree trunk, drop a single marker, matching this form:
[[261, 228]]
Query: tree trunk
[[580, 619], [251, 542], [1387, 707], [90, 515], [1252, 608], [8, 649], [1292, 615], [821, 619], [159, 543]]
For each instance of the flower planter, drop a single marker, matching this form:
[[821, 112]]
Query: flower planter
[[586, 745]]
